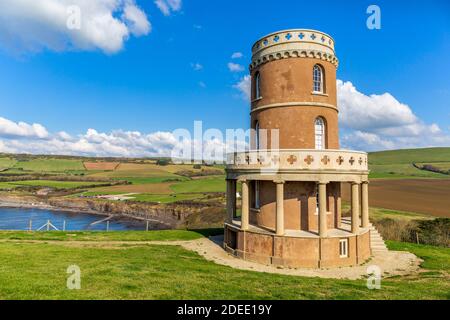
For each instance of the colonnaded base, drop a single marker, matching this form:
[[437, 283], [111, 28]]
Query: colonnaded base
[[298, 249]]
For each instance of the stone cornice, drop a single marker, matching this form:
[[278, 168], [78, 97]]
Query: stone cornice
[[293, 53], [295, 104]]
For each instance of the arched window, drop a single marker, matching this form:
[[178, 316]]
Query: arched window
[[318, 79], [257, 85], [319, 130], [257, 139]]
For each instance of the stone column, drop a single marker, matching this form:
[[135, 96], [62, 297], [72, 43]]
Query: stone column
[[245, 205], [365, 204], [280, 208], [322, 209], [355, 207], [231, 199]]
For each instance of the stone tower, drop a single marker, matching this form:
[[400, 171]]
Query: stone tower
[[291, 192]]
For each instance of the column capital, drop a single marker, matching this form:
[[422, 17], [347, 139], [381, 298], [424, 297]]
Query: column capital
[[365, 182], [322, 182], [355, 182], [242, 180], [279, 181]]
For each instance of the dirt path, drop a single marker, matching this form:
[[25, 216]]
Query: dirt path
[[391, 263]]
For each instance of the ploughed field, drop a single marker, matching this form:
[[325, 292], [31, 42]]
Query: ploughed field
[[428, 196]]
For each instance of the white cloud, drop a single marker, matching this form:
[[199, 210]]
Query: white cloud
[[235, 67], [30, 25], [137, 20], [377, 122], [196, 66], [360, 111], [22, 129], [35, 139], [237, 55], [168, 6], [244, 86]]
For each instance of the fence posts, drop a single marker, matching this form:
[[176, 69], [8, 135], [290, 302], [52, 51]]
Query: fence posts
[[107, 226], [146, 228], [64, 225], [30, 225]]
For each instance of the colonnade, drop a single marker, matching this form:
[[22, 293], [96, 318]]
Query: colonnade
[[359, 205]]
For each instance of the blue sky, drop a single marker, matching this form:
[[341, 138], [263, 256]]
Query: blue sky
[[177, 72]]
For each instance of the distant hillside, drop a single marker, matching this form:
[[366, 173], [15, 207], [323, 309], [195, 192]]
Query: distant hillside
[[410, 155], [405, 163]]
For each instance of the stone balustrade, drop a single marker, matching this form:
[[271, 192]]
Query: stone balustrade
[[299, 160]]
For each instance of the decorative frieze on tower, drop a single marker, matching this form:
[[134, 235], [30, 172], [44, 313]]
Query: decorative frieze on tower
[[291, 196]]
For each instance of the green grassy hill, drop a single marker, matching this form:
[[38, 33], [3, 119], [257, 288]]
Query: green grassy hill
[[122, 270], [399, 163]]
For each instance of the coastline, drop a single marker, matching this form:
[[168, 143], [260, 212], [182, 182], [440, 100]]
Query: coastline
[[129, 219]]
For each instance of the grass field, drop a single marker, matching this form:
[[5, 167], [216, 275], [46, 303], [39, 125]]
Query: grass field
[[427, 155], [398, 163], [6, 163], [47, 183], [163, 198], [156, 235], [50, 165], [207, 184], [37, 270]]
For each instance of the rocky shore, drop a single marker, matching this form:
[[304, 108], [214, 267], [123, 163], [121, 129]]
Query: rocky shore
[[162, 216]]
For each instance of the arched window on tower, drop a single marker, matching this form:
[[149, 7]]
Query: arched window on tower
[[320, 131], [257, 85], [318, 79], [257, 138]]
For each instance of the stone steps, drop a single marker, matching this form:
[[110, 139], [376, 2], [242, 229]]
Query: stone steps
[[376, 240]]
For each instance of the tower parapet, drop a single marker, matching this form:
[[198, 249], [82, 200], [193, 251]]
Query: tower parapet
[[301, 43]]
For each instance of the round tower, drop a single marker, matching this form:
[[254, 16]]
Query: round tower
[[291, 178], [293, 84]]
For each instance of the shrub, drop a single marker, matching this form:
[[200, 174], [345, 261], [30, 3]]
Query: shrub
[[162, 162], [433, 232]]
